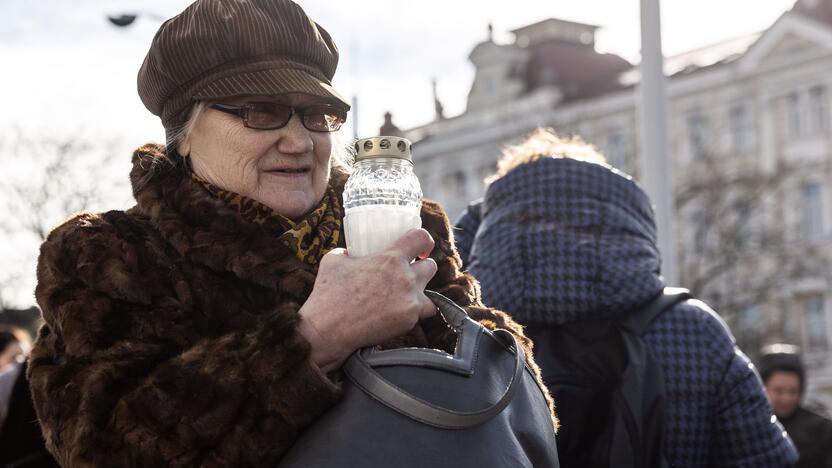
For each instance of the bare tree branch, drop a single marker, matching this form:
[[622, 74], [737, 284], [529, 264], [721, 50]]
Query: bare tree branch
[[740, 256], [61, 176]]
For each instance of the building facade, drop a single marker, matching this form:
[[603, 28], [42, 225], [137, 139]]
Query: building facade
[[751, 155]]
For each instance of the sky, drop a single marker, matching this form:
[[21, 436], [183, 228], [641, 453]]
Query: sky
[[66, 55], [67, 71]]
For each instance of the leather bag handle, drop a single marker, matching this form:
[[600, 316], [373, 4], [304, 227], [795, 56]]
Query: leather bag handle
[[359, 370]]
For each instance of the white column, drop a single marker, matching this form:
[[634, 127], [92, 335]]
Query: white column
[[764, 134], [655, 159]]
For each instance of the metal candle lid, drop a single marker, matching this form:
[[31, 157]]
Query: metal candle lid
[[383, 147]]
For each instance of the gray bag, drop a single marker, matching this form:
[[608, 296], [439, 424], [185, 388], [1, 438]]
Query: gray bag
[[417, 407]]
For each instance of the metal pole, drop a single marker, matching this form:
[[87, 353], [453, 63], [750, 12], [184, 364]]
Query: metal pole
[[655, 167], [354, 117]]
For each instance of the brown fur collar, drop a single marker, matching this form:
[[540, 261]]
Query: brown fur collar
[[205, 230]]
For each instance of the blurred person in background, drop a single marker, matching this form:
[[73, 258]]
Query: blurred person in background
[[561, 238], [206, 325], [21, 443], [785, 380], [14, 345]]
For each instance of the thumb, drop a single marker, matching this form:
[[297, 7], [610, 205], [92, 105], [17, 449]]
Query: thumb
[[338, 252], [333, 257]]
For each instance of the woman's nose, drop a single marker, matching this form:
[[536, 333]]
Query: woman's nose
[[295, 138]]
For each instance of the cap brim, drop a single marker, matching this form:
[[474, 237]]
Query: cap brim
[[270, 82]]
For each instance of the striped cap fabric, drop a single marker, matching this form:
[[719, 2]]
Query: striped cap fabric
[[225, 48]]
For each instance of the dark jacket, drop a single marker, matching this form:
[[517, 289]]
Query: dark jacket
[[21, 443], [171, 331], [812, 435], [559, 241]]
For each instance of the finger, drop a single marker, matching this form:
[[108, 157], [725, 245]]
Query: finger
[[334, 256], [428, 308], [339, 252], [415, 243], [424, 269]]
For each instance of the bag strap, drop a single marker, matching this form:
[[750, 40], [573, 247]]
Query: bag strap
[[640, 321], [469, 334], [359, 371]]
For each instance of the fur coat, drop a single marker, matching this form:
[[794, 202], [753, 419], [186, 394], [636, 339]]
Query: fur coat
[[171, 330], [21, 443]]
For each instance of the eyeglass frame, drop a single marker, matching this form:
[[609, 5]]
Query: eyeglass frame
[[242, 112]]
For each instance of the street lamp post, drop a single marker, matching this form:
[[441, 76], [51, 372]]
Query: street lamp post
[[655, 168], [126, 19]]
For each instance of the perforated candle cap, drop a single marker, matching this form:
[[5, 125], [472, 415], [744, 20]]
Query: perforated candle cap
[[383, 147]]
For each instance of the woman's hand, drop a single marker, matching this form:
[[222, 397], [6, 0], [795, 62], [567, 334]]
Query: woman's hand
[[364, 301]]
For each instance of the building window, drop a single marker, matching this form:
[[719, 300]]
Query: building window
[[745, 231], [807, 112], [740, 125], [517, 70], [749, 319], [456, 184], [791, 323], [812, 212], [488, 86], [816, 332], [698, 135], [794, 110], [817, 109], [547, 76], [701, 222], [617, 151]]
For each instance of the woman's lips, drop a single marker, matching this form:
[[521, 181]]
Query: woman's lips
[[289, 172]]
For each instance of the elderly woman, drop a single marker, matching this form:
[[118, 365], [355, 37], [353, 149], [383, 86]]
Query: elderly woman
[[206, 325]]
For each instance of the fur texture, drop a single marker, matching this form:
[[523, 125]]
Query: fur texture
[[171, 330]]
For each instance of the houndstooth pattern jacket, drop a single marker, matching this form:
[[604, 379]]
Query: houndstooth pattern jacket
[[559, 241]]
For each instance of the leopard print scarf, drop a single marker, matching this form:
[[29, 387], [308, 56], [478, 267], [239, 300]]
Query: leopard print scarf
[[309, 238]]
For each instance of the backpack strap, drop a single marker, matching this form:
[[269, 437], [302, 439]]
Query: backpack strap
[[640, 320]]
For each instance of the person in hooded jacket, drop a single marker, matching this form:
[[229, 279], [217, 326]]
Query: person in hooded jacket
[[560, 237]]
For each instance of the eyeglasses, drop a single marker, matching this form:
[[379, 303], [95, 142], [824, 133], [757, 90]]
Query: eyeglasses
[[271, 115]]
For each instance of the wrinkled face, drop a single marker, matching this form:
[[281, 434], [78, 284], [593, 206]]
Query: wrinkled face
[[783, 390], [286, 169]]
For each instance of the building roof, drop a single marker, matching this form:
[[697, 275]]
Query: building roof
[[581, 72], [577, 69], [721, 53], [818, 10], [553, 21]]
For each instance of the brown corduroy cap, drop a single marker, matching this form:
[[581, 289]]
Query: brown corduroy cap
[[225, 48]]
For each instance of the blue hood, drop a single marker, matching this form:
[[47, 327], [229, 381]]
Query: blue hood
[[559, 240]]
